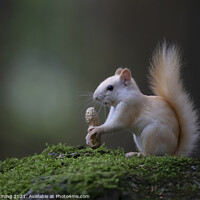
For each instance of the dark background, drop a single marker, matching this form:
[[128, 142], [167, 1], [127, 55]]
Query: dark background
[[52, 51]]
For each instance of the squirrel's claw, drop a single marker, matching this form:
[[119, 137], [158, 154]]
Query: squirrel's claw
[[131, 154], [90, 129]]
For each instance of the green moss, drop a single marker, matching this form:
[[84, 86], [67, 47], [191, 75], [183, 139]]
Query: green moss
[[67, 170]]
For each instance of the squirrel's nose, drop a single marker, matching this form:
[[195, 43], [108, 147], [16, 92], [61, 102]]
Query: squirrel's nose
[[95, 97]]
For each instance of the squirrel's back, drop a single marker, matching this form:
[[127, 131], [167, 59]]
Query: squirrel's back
[[166, 82]]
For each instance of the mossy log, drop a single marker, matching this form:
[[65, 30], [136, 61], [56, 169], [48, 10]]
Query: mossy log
[[98, 174]]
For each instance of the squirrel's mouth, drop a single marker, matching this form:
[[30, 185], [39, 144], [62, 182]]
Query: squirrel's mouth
[[102, 99], [106, 103]]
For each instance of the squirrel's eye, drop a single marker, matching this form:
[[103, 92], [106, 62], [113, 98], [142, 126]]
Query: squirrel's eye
[[110, 87]]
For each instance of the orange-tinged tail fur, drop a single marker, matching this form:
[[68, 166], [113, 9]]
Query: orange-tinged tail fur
[[166, 82]]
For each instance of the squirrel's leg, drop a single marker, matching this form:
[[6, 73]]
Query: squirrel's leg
[[110, 114], [131, 154], [98, 130], [156, 139], [114, 122]]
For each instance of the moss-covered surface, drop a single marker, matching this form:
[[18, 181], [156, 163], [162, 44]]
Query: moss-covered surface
[[101, 174]]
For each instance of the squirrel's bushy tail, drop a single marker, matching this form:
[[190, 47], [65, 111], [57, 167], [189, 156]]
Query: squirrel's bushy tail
[[166, 82]]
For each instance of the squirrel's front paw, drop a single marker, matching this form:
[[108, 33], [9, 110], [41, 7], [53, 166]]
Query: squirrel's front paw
[[90, 129], [93, 138], [92, 135], [94, 131], [87, 138]]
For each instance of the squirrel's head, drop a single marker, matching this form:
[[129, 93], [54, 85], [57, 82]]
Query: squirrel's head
[[115, 88]]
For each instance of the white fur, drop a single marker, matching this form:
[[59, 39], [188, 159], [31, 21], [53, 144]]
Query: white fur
[[163, 124], [166, 82]]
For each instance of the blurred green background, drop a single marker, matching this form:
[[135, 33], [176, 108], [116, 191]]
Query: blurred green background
[[51, 52]]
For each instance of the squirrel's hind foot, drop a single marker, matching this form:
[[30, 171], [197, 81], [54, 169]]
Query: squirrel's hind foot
[[131, 154]]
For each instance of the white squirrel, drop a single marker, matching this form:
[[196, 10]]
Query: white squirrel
[[163, 124]]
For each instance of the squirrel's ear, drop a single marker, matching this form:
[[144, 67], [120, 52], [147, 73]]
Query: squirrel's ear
[[125, 76], [118, 71]]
